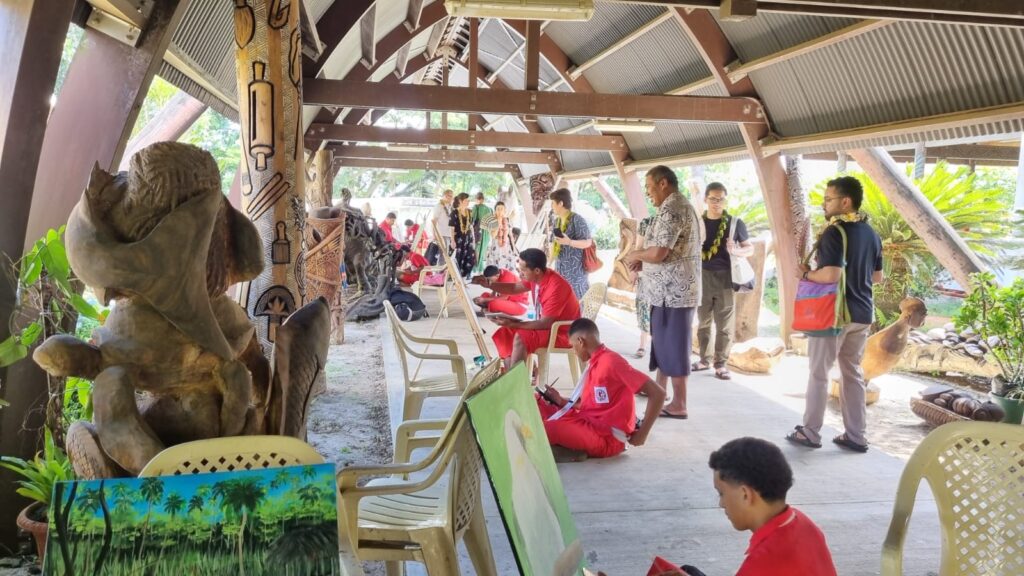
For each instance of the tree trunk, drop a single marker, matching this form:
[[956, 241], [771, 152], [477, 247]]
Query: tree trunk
[[748, 305], [241, 538], [108, 532]]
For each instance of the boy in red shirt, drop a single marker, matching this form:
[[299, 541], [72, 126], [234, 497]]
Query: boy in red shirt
[[511, 304], [752, 478], [603, 417]]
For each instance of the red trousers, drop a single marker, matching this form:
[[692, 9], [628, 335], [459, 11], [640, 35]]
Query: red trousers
[[576, 433], [506, 306], [533, 340], [662, 566]]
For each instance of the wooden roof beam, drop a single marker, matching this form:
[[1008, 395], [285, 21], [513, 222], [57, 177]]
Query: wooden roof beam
[[344, 93], [332, 27], [443, 155], [418, 165], [402, 60], [478, 138], [367, 28], [412, 17], [576, 71]]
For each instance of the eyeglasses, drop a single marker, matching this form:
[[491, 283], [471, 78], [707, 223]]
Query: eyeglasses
[[713, 200], [826, 199]]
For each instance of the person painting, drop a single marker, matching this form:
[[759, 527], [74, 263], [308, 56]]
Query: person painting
[[388, 227], [603, 418], [752, 479], [553, 299], [502, 251], [481, 214], [511, 304], [411, 230], [716, 304], [570, 235], [461, 222], [863, 263], [669, 267]]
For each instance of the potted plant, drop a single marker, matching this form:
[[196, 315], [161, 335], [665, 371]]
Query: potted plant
[[997, 315], [38, 478]]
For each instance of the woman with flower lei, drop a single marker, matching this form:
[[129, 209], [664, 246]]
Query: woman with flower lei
[[461, 221]]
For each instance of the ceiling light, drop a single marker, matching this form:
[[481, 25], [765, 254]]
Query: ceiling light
[[407, 148], [490, 164], [623, 126], [522, 9]]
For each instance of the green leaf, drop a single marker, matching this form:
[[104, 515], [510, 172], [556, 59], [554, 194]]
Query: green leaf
[[31, 268], [12, 350], [83, 307], [31, 333]]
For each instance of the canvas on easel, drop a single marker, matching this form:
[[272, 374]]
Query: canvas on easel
[[524, 477], [459, 287]]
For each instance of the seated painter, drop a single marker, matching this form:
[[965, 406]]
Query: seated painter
[[511, 304], [600, 416], [752, 478], [552, 299]]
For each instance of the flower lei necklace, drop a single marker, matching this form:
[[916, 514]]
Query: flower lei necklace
[[706, 255], [464, 222], [563, 225]]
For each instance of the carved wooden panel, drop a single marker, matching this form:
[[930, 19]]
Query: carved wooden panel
[[622, 278]]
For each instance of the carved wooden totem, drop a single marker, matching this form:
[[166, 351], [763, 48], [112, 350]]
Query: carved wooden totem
[[541, 185], [268, 59], [622, 278], [325, 237]]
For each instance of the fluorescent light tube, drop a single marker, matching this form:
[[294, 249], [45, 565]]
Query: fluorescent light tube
[[407, 148], [623, 126]]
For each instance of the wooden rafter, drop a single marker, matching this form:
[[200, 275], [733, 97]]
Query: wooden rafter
[[331, 28], [532, 81], [402, 60], [515, 140], [442, 155], [367, 29], [419, 165], [412, 18]]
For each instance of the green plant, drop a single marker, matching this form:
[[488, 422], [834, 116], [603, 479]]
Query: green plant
[[607, 236], [997, 314], [41, 473]]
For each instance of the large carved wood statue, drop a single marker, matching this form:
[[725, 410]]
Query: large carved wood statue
[[177, 359], [622, 278], [325, 238]]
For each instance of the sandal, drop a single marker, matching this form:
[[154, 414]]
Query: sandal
[[700, 366], [843, 442], [667, 414], [640, 353], [800, 438], [723, 373]]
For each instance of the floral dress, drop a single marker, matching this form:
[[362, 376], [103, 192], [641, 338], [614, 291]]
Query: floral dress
[[643, 309], [569, 260], [501, 252], [465, 247]]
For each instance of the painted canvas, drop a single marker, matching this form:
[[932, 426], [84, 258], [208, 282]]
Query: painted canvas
[[524, 477], [277, 521]]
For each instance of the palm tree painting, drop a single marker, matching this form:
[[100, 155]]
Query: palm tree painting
[[280, 521]]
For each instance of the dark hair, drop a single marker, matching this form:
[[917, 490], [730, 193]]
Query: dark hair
[[716, 186], [499, 203], [479, 195], [849, 187], [584, 326], [534, 258], [460, 197], [562, 195], [755, 462], [516, 230], [409, 222], [662, 172], [391, 215], [491, 270]]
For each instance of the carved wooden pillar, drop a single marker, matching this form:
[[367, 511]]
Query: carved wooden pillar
[[269, 60], [321, 186]]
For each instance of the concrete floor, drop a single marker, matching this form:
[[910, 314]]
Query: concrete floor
[[658, 499]]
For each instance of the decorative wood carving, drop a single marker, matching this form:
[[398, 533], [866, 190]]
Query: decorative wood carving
[[622, 278]]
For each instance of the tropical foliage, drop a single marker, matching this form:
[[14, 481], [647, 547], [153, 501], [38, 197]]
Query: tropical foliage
[[997, 314], [39, 475], [279, 521]]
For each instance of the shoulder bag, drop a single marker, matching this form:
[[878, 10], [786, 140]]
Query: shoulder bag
[[820, 309], [742, 272]]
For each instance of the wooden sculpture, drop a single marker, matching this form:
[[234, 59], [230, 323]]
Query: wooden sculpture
[[622, 278], [325, 249], [177, 359], [885, 348]]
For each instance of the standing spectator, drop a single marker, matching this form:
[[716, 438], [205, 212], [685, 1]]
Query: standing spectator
[[643, 309], [716, 301], [570, 237], [461, 221], [669, 267], [482, 213], [441, 215], [863, 258], [502, 252]]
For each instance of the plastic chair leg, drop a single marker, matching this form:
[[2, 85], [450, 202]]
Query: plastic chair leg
[[394, 568], [479, 545], [412, 406], [543, 363], [440, 557], [574, 367]]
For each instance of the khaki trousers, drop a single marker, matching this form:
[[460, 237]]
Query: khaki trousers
[[846, 348], [716, 304]]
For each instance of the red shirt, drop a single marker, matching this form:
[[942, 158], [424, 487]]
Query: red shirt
[[786, 545], [510, 277], [607, 400], [386, 227], [556, 298]]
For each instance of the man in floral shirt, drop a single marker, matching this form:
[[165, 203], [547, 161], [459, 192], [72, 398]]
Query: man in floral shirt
[[669, 267]]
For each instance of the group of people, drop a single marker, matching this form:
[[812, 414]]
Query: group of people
[[481, 236]]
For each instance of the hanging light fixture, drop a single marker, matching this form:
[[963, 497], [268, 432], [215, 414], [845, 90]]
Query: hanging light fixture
[[623, 126], [522, 9]]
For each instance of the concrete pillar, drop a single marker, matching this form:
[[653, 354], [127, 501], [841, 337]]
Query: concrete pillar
[[941, 239], [268, 62]]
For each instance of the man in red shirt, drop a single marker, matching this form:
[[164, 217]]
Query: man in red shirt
[[752, 478], [388, 227], [553, 300], [511, 304], [602, 417]]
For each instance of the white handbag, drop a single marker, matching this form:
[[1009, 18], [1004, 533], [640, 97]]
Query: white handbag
[[742, 271]]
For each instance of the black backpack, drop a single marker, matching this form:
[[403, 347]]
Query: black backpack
[[408, 306], [432, 254]]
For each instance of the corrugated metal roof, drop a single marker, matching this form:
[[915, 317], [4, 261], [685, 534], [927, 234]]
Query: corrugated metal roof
[[317, 8], [205, 38], [390, 14], [671, 138], [611, 21], [190, 87], [771, 32], [579, 159]]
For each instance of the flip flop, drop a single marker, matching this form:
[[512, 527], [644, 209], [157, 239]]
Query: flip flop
[[667, 414], [697, 367], [843, 442], [723, 374], [803, 439], [640, 353]]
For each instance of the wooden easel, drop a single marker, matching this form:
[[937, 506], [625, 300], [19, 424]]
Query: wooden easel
[[537, 237]]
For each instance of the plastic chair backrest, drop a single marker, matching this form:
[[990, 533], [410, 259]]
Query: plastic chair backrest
[[976, 473], [592, 301], [230, 454], [398, 333], [464, 485]]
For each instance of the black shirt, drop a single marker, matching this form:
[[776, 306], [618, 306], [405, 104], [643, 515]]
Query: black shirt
[[720, 261], [863, 258]]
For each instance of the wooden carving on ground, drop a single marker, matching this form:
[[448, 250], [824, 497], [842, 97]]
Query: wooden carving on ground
[[622, 278], [177, 359], [325, 239]]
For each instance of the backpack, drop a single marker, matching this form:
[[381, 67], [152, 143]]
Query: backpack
[[408, 306], [433, 254]]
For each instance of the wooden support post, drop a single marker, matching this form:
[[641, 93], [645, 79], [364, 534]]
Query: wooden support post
[[532, 55], [938, 236], [611, 199], [523, 192], [273, 186], [31, 39], [841, 158], [474, 50], [738, 10], [323, 177], [173, 120], [96, 112], [631, 184], [748, 304], [1018, 203]]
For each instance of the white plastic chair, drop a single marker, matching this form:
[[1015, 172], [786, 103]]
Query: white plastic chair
[[590, 306]]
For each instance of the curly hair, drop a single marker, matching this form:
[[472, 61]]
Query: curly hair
[[755, 462]]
